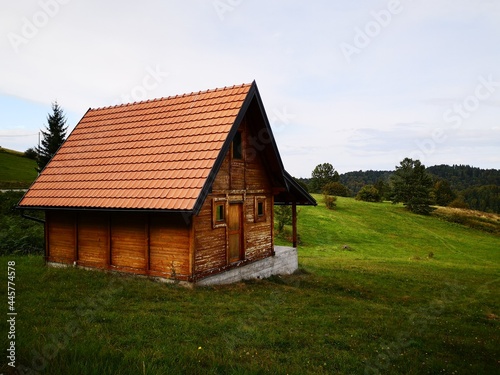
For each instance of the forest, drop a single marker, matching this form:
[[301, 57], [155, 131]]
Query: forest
[[477, 188]]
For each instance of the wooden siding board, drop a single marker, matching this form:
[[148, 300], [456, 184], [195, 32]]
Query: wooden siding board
[[210, 244], [128, 241], [61, 237], [169, 246], [93, 239]]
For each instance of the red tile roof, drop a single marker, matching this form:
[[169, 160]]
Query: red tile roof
[[152, 155]]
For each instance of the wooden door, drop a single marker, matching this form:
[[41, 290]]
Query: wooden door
[[235, 248]]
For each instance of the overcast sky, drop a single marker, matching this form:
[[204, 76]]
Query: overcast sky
[[359, 84]]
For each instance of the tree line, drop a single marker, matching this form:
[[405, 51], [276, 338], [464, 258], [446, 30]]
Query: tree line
[[460, 186]]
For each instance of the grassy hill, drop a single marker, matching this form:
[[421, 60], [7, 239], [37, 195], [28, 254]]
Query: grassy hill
[[380, 290], [16, 171]]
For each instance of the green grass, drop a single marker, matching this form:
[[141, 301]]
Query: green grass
[[16, 171], [369, 298]]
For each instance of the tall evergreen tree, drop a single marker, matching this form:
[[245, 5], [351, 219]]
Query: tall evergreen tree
[[53, 136], [412, 185]]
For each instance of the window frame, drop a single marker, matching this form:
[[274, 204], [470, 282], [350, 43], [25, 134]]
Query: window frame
[[217, 203], [257, 202]]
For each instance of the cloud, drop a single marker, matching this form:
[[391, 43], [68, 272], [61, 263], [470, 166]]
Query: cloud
[[363, 114]]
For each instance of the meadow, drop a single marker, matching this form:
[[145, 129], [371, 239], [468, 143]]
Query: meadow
[[379, 290], [16, 171]]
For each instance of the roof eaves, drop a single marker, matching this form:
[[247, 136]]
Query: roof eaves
[[292, 183]]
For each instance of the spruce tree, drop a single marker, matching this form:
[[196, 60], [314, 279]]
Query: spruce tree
[[412, 186], [53, 136]]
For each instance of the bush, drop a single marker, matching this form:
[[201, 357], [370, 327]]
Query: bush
[[458, 203], [18, 235], [336, 188], [368, 193], [330, 201], [30, 153], [283, 215]]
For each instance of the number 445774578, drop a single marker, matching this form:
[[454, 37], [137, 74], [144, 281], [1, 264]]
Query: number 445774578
[[11, 292]]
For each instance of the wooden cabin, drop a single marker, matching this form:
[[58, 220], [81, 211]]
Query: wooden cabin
[[180, 187]]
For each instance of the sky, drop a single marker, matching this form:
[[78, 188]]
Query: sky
[[358, 84]]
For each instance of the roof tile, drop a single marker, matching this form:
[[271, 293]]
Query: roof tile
[[148, 155]]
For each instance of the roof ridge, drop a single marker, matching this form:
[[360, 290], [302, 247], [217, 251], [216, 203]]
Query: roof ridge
[[194, 93]]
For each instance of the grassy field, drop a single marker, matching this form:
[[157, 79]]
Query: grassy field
[[16, 171], [379, 290]]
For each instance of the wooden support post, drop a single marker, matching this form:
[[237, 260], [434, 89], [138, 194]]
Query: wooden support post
[[294, 223]]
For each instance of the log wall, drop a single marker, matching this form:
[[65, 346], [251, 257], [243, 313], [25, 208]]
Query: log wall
[[237, 181]]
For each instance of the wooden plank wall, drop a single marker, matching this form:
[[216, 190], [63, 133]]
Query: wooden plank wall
[[93, 240], [61, 237], [258, 236], [153, 244], [210, 244], [236, 180], [129, 241], [169, 245]]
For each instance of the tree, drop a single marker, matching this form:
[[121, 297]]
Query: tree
[[53, 136], [322, 175], [336, 188], [368, 193], [443, 194], [412, 186], [31, 153]]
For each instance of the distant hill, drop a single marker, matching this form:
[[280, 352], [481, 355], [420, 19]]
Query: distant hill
[[480, 188], [462, 177], [16, 171], [356, 180]]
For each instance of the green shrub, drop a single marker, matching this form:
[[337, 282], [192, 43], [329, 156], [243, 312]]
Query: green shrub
[[336, 188], [458, 203], [17, 234], [283, 216], [330, 201], [368, 193]]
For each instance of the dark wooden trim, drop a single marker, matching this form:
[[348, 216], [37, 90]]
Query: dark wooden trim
[[108, 255], [46, 230], [192, 249], [147, 231], [75, 237], [271, 208]]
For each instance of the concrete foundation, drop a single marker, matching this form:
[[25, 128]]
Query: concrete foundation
[[284, 262]]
